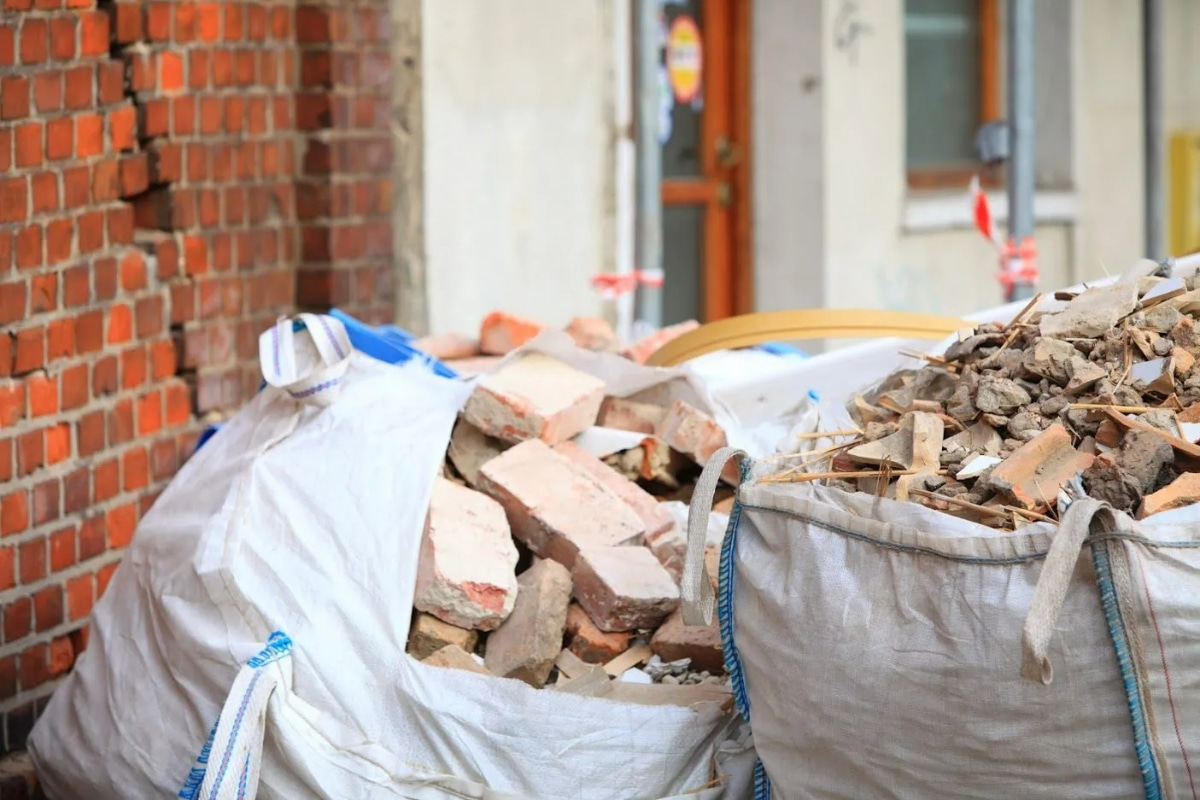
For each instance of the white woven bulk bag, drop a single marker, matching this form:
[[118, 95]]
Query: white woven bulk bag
[[882, 649]]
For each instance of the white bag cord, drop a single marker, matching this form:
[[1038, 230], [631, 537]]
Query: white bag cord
[[228, 766], [321, 383], [1084, 516], [696, 589]]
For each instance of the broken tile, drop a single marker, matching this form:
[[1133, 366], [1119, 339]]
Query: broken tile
[[1032, 475]]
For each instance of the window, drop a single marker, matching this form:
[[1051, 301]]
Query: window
[[952, 87]]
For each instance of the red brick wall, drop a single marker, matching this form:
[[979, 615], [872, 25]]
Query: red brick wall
[[173, 176]]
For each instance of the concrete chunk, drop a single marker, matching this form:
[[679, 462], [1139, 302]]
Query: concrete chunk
[[700, 643], [429, 634], [529, 641], [535, 397], [1093, 313], [654, 517], [624, 588], [466, 571], [554, 506]]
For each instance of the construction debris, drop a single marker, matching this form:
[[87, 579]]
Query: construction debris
[[1099, 397], [599, 542]]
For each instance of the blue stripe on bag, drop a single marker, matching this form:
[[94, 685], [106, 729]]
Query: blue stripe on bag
[[733, 660], [278, 645], [1137, 712]]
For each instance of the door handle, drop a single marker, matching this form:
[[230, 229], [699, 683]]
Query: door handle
[[729, 154]]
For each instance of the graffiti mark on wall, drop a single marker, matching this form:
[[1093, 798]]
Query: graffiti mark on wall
[[848, 29]]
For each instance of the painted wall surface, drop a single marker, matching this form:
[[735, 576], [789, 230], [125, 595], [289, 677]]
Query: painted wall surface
[[519, 148], [1181, 64], [872, 260]]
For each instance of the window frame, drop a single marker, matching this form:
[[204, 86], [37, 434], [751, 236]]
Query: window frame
[[990, 177]]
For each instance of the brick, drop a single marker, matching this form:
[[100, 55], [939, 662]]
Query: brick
[[535, 396], [1034, 473], [92, 538], [120, 324], [60, 139], [591, 644], [62, 38], [12, 304], [656, 520], [59, 237], [29, 252], [630, 415], [623, 588], [701, 643], [32, 558], [80, 597], [14, 199], [62, 655], [104, 274], [8, 568], [14, 512], [149, 413], [48, 608], [43, 395], [48, 91], [1182, 491], [691, 431], [429, 634], [554, 507], [35, 37], [12, 403], [29, 139], [593, 333], [93, 33], [14, 97], [31, 452], [30, 350], [58, 444], [120, 523], [135, 466], [641, 350], [127, 22], [106, 483], [448, 346], [454, 657], [46, 507], [62, 549], [90, 433], [44, 193], [465, 574], [18, 619], [79, 83], [77, 489], [527, 644], [501, 333], [164, 459]]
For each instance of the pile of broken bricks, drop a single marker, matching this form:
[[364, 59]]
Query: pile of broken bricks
[[500, 333], [544, 563], [1100, 397]]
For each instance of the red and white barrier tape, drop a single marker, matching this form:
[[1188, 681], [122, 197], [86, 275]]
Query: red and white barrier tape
[[611, 285], [1018, 262]]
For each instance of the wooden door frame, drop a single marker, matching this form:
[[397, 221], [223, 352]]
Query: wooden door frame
[[728, 279]]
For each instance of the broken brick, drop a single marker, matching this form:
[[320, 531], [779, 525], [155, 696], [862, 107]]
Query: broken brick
[[654, 517], [465, 575], [689, 430], [535, 397], [701, 643], [623, 588], [1180, 492], [501, 333], [429, 634], [630, 415], [448, 346], [1032, 475], [554, 507], [529, 641], [589, 643], [641, 350], [593, 333]]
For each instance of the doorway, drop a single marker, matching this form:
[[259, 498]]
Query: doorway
[[704, 132]]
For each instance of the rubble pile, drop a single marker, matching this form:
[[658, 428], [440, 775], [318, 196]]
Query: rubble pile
[[1100, 397], [545, 563], [500, 333]]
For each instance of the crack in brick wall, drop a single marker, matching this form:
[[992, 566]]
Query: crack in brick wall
[[173, 176]]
